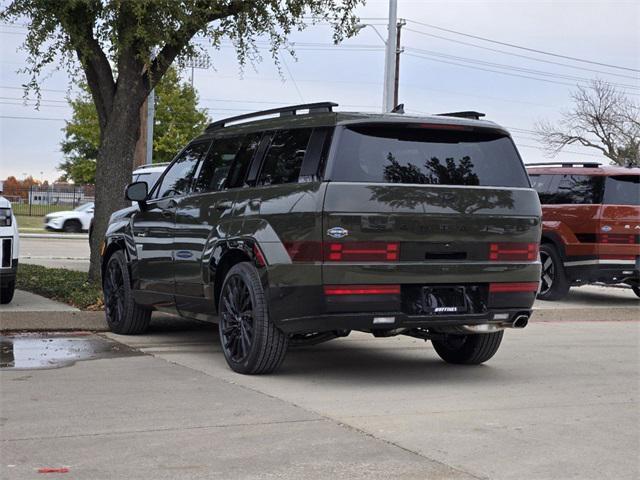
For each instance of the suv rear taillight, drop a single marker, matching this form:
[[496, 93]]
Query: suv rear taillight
[[513, 287], [362, 252], [511, 252], [620, 238], [362, 289]]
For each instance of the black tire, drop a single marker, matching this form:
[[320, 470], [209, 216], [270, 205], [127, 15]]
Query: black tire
[[636, 290], [251, 343], [553, 280], [124, 316], [6, 292], [471, 349], [72, 226]]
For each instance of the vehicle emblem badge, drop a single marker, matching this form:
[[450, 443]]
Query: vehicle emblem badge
[[338, 232], [606, 228]]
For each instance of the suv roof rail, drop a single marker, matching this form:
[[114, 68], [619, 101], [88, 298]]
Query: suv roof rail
[[283, 111], [466, 114], [151, 165], [564, 164]]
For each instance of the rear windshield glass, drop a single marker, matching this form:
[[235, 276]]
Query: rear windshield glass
[[406, 154], [622, 190]]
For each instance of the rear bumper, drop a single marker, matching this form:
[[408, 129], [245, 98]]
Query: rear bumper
[[307, 309], [604, 271], [367, 321]]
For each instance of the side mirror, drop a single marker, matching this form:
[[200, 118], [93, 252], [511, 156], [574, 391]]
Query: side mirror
[[136, 192]]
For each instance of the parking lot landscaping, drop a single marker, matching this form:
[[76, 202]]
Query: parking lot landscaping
[[67, 286]]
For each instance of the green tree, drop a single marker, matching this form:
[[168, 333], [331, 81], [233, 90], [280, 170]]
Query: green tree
[[112, 42], [82, 141], [177, 117], [177, 120]]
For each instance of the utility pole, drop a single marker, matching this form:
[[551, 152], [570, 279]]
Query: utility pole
[[390, 58], [151, 114], [399, 50], [143, 153]]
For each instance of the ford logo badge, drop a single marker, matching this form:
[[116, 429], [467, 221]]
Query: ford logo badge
[[338, 232], [606, 228]]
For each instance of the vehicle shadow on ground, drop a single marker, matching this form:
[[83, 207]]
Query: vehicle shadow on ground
[[363, 359]]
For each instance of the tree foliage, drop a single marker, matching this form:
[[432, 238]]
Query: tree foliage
[[602, 118], [177, 120], [124, 47]]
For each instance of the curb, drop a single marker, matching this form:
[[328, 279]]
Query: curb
[[39, 321], [67, 236]]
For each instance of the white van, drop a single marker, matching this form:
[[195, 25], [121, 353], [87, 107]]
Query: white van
[[8, 251]]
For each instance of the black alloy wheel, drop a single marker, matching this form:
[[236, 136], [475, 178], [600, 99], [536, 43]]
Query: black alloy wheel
[[113, 287], [251, 342], [123, 314], [236, 319]]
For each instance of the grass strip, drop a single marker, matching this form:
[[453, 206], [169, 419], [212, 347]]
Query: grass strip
[[67, 286]]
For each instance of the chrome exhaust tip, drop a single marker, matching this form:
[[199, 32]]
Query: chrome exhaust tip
[[520, 321]]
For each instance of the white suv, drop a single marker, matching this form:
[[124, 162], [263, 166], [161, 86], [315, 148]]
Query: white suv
[[73, 221], [8, 251]]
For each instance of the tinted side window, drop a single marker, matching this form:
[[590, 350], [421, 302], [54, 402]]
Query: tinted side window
[[622, 190], [544, 185], [177, 179], [215, 167], [576, 190], [243, 158], [284, 158]]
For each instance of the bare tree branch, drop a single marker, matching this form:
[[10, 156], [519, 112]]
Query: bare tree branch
[[602, 118]]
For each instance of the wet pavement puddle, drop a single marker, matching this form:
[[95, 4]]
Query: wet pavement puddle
[[28, 351]]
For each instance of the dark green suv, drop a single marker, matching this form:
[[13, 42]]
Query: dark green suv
[[301, 227]]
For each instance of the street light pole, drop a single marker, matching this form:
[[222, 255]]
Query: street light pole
[[390, 58], [399, 50]]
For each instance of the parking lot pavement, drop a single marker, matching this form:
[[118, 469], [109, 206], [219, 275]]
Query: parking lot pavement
[[559, 400], [71, 253], [593, 296], [142, 417]]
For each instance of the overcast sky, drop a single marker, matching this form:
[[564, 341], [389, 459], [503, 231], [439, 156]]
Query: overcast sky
[[605, 31]]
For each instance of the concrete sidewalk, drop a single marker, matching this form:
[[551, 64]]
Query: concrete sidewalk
[[28, 311], [141, 417]]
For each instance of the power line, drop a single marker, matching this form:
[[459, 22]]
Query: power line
[[504, 52], [496, 71], [511, 67], [535, 50], [32, 118]]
